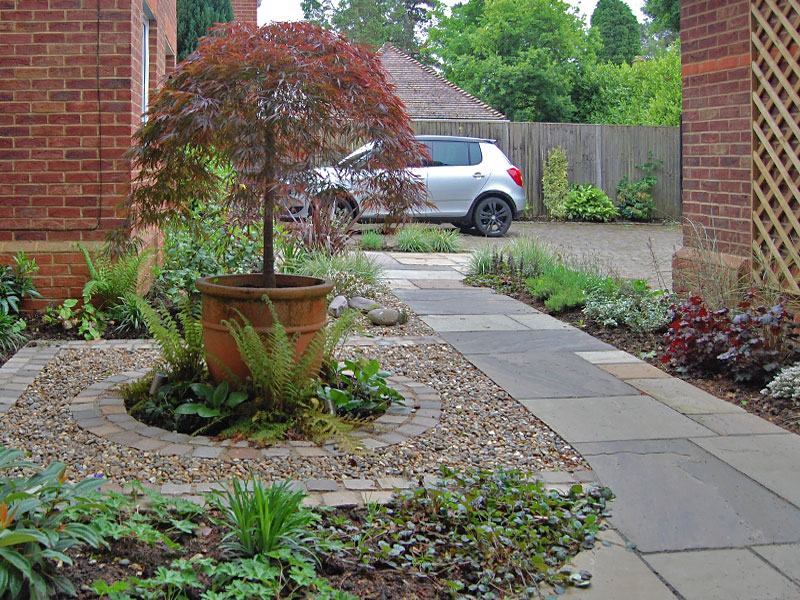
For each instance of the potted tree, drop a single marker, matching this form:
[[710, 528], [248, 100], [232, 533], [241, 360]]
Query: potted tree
[[253, 111]]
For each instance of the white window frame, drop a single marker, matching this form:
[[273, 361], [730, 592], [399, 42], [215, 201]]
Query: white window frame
[[146, 17]]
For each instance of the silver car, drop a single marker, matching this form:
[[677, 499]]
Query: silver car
[[469, 183]]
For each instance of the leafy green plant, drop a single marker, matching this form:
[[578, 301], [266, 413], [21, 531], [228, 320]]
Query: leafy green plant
[[589, 203], [371, 240], [12, 329], [632, 304], [360, 389], [35, 529], [263, 519], [87, 320], [216, 404], [555, 187], [562, 286], [483, 534], [112, 282], [16, 283], [416, 238], [211, 242], [635, 198], [352, 273], [180, 341]]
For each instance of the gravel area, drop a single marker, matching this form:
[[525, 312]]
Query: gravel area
[[414, 326], [480, 426]]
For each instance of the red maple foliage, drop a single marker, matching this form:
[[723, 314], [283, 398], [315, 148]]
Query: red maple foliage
[[269, 104]]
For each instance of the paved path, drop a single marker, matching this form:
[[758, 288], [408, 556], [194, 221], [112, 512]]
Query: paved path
[[708, 494]]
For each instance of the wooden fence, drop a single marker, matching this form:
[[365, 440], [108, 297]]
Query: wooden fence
[[597, 154]]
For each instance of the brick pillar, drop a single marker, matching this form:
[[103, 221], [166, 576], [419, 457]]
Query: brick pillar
[[716, 129]]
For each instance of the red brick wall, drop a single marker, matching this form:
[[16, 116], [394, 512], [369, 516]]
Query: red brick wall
[[70, 99], [717, 120], [245, 11]]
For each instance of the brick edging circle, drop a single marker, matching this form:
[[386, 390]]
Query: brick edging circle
[[100, 410]]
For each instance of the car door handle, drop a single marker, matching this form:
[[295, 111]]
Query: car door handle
[[478, 175]]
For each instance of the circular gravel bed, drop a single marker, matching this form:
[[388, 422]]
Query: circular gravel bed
[[480, 426]]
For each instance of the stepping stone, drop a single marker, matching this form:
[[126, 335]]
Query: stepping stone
[[617, 574], [684, 397], [417, 273], [785, 557], [608, 357], [613, 418], [474, 301], [469, 322], [486, 342], [736, 424], [673, 495], [545, 374], [722, 575], [634, 371], [772, 460], [539, 321]]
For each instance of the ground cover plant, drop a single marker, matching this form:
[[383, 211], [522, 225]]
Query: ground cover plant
[[473, 534], [417, 238]]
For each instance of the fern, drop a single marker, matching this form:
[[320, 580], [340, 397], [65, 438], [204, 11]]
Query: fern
[[322, 427], [182, 348], [110, 282]]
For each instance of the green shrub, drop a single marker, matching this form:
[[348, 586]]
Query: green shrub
[[630, 303], [12, 328], [210, 243], [555, 187], [352, 273], [635, 198], [415, 238], [371, 240], [589, 203], [359, 389], [35, 529], [562, 287], [263, 519], [16, 282]]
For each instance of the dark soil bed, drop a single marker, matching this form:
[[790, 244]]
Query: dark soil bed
[[650, 346]]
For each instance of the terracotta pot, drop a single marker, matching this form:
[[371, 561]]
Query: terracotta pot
[[300, 303]]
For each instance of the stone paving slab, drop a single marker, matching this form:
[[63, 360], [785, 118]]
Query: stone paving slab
[[784, 557], [541, 321], [609, 357], [487, 342], [673, 495], [617, 574], [613, 418], [772, 460], [487, 322], [737, 424], [633, 370], [684, 397], [473, 301], [438, 284], [722, 575], [543, 374], [415, 272]]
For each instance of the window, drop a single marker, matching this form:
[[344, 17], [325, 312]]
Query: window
[[145, 63], [454, 154]]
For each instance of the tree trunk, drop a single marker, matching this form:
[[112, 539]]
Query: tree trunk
[[269, 250]]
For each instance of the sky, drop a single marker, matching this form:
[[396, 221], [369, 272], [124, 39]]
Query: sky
[[289, 10]]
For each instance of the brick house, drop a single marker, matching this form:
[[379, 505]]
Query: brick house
[[741, 139], [74, 80]]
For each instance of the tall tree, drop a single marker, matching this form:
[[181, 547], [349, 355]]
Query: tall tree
[[666, 14], [195, 18], [618, 30], [521, 56], [402, 23]]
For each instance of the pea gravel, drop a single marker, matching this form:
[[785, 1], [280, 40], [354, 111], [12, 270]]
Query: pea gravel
[[481, 426]]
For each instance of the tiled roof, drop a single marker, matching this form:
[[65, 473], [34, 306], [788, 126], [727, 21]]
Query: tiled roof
[[428, 95]]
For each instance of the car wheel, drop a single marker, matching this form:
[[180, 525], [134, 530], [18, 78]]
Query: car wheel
[[492, 216]]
